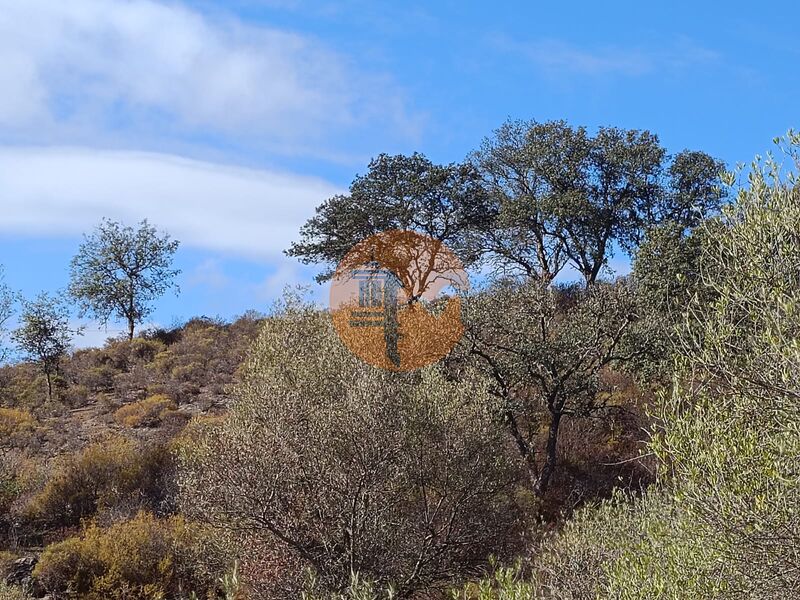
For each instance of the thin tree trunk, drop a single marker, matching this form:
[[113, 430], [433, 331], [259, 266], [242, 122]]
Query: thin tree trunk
[[524, 448], [551, 455], [131, 317], [49, 385]]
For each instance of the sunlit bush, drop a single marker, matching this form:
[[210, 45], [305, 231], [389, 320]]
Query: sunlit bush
[[112, 475], [400, 477], [75, 396], [145, 413], [142, 559], [14, 421], [8, 592]]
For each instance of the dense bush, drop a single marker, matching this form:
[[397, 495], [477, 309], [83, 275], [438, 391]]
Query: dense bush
[[400, 477], [142, 559], [15, 422], [22, 386], [8, 592], [9, 486], [20, 477], [145, 413], [115, 475]]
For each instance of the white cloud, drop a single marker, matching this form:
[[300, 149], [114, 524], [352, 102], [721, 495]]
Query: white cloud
[[287, 275], [103, 64], [208, 273], [65, 191], [560, 57]]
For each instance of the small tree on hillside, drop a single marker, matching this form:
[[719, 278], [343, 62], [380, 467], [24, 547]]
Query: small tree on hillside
[[6, 310], [44, 334], [120, 270]]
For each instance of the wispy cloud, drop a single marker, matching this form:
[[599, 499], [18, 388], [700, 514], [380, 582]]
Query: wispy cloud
[[288, 274], [209, 274], [245, 212], [557, 57], [112, 64]]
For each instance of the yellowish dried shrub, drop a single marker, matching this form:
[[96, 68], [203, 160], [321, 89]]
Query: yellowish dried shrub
[[145, 413]]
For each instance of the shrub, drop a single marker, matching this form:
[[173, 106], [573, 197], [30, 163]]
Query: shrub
[[14, 421], [121, 365], [504, 583], [358, 588], [400, 477], [19, 475], [75, 396], [10, 592], [124, 354], [145, 413], [9, 488], [22, 386], [99, 378], [112, 475], [6, 558], [145, 558]]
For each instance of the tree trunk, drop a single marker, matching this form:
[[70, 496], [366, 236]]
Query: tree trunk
[[49, 385], [131, 316], [524, 448], [551, 455]]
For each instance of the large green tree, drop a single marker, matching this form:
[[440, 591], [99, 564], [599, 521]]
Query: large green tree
[[398, 192], [120, 270], [534, 198], [562, 196]]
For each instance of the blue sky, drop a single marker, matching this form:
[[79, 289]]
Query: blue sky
[[226, 123]]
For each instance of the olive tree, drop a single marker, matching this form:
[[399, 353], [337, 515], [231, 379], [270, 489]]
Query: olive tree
[[119, 271], [348, 469], [732, 437], [44, 333]]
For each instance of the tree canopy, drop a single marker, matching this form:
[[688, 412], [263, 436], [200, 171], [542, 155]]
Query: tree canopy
[[44, 333], [534, 198], [562, 196], [397, 192], [120, 270]]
